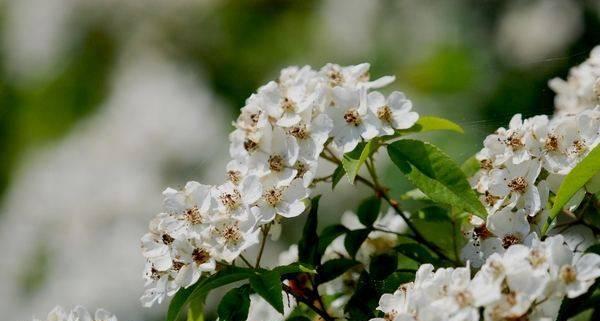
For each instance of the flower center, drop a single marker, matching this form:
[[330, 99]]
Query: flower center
[[537, 258], [301, 169], [193, 216], [463, 298], [514, 141], [482, 232], [579, 147], [200, 256], [234, 176], [250, 145], [485, 164], [167, 239], [352, 117], [335, 78], [518, 184], [288, 105], [490, 199], [510, 239], [568, 274], [177, 265], [276, 163], [551, 143], [232, 234], [299, 131], [385, 113], [231, 200], [273, 196]]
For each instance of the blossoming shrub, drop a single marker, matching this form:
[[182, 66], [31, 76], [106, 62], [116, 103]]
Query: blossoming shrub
[[511, 234]]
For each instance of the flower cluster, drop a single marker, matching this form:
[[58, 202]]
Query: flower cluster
[[581, 90], [521, 167], [79, 313], [275, 147], [524, 283]]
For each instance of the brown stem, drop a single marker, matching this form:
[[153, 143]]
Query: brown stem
[[322, 313]]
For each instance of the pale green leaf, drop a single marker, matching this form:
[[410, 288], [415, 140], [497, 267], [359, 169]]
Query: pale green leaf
[[435, 174]]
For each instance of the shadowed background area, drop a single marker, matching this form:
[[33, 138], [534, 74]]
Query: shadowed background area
[[104, 103]]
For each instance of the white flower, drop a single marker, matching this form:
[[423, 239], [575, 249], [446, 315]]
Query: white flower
[[79, 313], [511, 227], [353, 76], [190, 208], [392, 113], [286, 201], [578, 278], [279, 159], [311, 135], [156, 244], [351, 119], [517, 181], [235, 200], [286, 104], [581, 90], [232, 236], [191, 260]]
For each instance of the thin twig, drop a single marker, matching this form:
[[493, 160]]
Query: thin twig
[[265, 234], [323, 314], [246, 261]]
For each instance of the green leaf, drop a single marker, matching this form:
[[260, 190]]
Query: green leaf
[[354, 239], [235, 304], [368, 210], [352, 161], [575, 180], [394, 280], [268, 285], [199, 291], [470, 166], [415, 252], [431, 123], [307, 246], [364, 301], [383, 265], [334, 268], [329, 234], [435, 174], [294, 268], [179, 300], [337, 176]]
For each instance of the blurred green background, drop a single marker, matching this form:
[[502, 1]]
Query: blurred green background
[[476, 62]]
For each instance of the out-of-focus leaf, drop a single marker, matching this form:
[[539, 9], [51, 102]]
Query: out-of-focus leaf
[[416, 252], [363, 302], [199, 291], [368, 210], [383, 265], [354, 239], [307, 247], [329, 234], [235, 304], [267, 284], [334, 268], [575, 180], [436, 174]]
